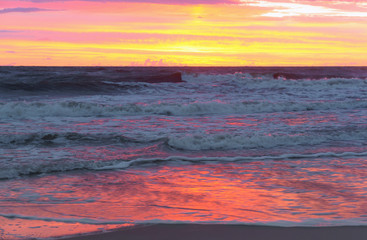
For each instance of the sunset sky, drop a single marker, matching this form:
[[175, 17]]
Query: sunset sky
[[186, 32]]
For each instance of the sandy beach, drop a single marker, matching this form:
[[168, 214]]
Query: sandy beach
[[233, 232]]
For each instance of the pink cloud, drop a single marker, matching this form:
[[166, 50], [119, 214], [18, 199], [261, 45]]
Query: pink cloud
[[22, 10], [310, 8], [156, 62]]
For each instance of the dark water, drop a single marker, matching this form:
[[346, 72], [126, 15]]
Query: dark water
[[91, 148]]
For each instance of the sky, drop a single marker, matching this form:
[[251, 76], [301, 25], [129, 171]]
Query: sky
[[183, 32]]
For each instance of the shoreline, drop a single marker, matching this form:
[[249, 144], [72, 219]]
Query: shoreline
[[226, 232]]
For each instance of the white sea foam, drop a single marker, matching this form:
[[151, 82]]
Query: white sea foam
[[267, 81], [258, 141]]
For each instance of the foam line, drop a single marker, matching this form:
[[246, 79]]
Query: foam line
[[84, 109], [64, 220], [126, 164], [66, 166]]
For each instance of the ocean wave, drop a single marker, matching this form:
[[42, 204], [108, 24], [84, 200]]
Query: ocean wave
[[66, 166], [85, 109], [179, 159], [196, 141]]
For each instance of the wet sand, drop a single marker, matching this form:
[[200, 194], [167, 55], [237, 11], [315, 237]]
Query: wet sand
[[228, 232]]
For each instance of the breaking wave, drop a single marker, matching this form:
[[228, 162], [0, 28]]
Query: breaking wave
[[82, 80], [84, 109]]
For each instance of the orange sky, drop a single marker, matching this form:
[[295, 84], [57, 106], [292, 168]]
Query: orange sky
[[186, 32]]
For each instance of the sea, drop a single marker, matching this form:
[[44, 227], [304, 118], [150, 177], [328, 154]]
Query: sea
[[92, 149]]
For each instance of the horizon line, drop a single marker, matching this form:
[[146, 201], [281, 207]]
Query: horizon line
[[140, 66]]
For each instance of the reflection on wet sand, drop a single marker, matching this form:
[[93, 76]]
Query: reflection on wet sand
[[287, 192]]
